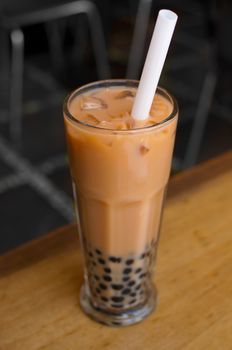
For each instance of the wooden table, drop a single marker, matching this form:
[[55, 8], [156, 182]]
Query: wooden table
[[40, 281]]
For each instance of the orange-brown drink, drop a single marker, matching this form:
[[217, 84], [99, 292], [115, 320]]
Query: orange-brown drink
[[120, 168]]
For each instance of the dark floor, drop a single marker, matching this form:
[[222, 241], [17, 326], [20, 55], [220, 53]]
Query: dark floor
[[35, 186]]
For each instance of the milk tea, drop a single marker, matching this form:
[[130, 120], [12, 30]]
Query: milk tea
[[120, 169]]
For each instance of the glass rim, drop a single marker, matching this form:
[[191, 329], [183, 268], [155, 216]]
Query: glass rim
[[117, 82]]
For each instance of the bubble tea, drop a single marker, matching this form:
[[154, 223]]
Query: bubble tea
[[120, 168]]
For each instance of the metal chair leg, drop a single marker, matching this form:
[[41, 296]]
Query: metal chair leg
[[200, 120], [55, 40], [138, 40], [4, 56], [4, 75], [16, 86], [97, 35]]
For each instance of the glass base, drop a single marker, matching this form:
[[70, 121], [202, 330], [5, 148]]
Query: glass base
[[120, 319]]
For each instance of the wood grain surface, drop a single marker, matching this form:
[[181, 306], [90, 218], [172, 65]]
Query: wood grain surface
[[40, 281]]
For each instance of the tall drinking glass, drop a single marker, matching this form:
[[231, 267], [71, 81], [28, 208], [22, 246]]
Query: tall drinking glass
[[119, 181]]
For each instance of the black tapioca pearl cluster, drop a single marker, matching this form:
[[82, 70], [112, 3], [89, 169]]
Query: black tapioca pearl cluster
[[117, 281], [126, 291], [117, 299], [102, 286], [101, 261], [105, 299], [138, 287], [129, 261], [126, 279], [107, 278], [131, 283], [116, 286], [127, 270], [114, 259], [107, 270]]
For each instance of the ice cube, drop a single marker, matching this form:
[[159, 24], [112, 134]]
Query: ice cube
[[90, 119], [120, 126], [125, 115], [92, 102], [144, 150], [105, 124], [130, 123], [150, 122], [124, 94]]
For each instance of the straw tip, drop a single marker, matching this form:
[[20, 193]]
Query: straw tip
[[168, 15]]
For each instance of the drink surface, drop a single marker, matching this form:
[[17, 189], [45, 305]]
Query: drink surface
[[110, 108]]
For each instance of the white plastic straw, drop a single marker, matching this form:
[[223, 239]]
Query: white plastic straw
[[157, 53]]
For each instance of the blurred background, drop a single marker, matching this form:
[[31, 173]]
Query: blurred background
[[51, 47]]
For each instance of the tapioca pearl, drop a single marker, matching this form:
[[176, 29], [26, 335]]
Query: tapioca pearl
[[117, 306], [101, 261], [94, 263], [97, 278], [126, 279], [90, 254], [107, 270], [126, 291], [131, 283], [102, 286], [116, 286], [138, 287], [142, 256], [117, 299], [98, 252], [98, 291], [138, 270], [105, 299], [115, 259], [107, 278], [132, 301], [127, 270], [143, 275], [132, 294], [129, 262]]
